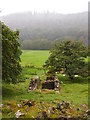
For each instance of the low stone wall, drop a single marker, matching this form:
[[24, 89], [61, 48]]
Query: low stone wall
[[51, 82]]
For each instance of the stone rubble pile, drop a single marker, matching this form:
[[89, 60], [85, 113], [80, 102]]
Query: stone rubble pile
[[65, 111]]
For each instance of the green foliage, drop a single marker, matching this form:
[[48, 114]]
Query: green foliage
[[75, 91], [10, 55], [70, 56]]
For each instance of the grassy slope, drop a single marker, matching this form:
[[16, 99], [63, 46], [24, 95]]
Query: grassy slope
[[76, 92]]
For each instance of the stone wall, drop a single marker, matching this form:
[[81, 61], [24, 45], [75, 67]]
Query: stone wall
[[34, 83], [51, 82]]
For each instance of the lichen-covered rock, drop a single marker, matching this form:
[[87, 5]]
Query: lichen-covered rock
[[44, 114], [18, 114], [29, 103], [60, 106], [88, 112]]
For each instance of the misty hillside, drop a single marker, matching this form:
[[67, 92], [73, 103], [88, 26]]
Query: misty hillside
[[41, 30]]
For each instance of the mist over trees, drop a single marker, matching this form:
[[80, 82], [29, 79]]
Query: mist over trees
[[41, 30]]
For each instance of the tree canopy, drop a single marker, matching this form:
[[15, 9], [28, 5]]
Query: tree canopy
[[68, 56], [10, 55]]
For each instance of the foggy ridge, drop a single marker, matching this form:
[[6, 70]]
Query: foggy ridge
[[41, 30]]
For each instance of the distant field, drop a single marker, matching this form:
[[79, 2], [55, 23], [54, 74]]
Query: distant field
[[34, 57]]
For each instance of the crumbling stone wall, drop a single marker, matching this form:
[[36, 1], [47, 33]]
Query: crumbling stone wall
[[51, 83], [34, 83]]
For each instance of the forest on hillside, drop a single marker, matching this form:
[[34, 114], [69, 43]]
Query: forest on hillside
[[42, 30]]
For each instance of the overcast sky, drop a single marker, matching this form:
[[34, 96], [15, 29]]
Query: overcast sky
[[61, 6]]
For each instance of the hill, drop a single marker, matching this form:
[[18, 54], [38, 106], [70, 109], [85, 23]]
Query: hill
[[41, 30]]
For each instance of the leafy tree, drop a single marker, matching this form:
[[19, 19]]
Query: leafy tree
[[10, 55], [69, 56]]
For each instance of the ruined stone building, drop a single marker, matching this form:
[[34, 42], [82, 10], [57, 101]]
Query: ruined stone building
[[51, 83]]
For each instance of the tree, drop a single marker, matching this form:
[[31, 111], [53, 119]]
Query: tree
[[10, 55], [69, 56]]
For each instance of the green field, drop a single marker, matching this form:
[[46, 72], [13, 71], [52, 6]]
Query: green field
[[34, 57], [75, 91]]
